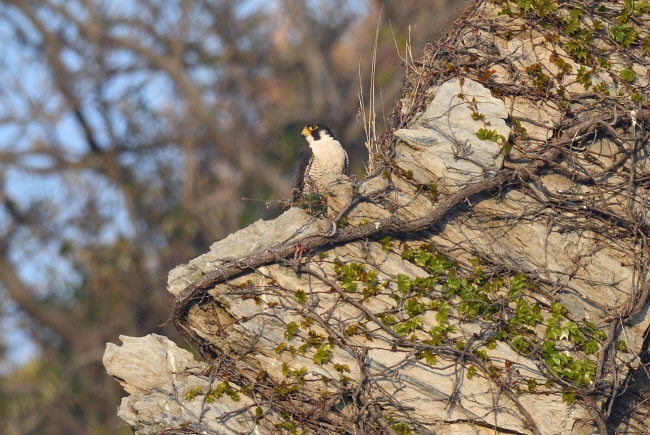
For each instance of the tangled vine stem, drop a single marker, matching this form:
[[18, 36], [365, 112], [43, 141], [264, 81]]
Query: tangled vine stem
[[195, 291]]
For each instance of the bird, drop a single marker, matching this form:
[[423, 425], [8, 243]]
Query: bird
[[325, 155]]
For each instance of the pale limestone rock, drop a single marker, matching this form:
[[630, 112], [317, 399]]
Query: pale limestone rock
[[260, 236], [443, 145], [158, 374]]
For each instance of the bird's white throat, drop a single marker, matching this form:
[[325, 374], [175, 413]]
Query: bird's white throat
[[328, 151]]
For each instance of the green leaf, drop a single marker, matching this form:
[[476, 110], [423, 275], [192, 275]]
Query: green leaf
[[487, 134], [191, 394], [481, 354], [291, 331], [628, 75], [557, 309], [524, 5], [413, 307], [428, 356], [442, 316], [221, 389], [590, 347], [408, 326], [385, 243], [520, 344], [517, 284], [301, 296], [477, 116], [623, 35], [351, 329], [322, 355], [532, 384], [342, 368], [571, 25], [286, 370], [569, 397], [403, 283], [401, 429]]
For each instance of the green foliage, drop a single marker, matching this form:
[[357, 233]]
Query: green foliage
[[426, 257], [524, 5], [603, 62], [532, 384], [350, 274], [572, 22], [428, 356], [578, 46], [491, 135], [521, 344], [517, 284], [584, 77], [590, 347], [432, 189], [291, 331], [322, 355], [314, 204], [401, 429], [403, 283], [351, 329], [191, 394], [475, 296], [301, 296], [557, 309], [385, 243], [284, 388], [519, 129], [627, 75], [476, 116], [569, 396], [408, 326], [413, 306], [387, 319], [623, 35], [442, 308], [221, 389], [580, 371], [601, 88], [525, 314], [342, 368], [439, 334], [290, 425], [542, 8]]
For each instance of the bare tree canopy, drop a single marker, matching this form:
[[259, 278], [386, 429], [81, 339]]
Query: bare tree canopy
[[129, 132]]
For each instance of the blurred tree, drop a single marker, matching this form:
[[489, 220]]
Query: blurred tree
[[129, 131]]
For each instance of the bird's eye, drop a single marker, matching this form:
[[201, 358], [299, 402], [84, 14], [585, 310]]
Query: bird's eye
[[312, 127]]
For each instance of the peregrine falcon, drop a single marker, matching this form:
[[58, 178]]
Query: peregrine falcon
[[325, 155]]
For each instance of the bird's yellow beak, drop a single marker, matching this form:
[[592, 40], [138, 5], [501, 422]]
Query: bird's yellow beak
[[305, 132]]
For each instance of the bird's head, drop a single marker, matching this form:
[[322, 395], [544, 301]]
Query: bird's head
[[316, 132]]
